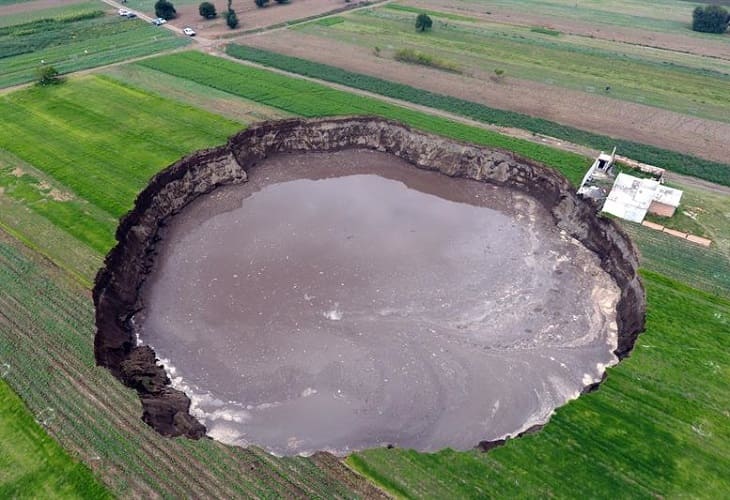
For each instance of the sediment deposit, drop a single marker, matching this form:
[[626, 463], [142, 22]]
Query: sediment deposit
[[118, 286]]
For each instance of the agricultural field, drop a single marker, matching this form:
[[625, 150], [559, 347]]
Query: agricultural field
[[671, 98], [671, 160], [308, 99], [31, 463], [72, 38], [116, 134], [656, 427]]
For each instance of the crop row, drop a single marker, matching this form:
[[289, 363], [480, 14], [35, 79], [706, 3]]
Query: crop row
[[309, 99], [678, 162]]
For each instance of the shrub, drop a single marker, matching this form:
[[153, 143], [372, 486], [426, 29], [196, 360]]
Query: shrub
[[165, 9], [423, 22], [710, 19], [415, 57], [207, 10], [261, 3], [231, 19], [48, 75]]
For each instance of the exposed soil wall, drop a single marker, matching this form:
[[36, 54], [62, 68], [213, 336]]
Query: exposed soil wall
[[117, 285]]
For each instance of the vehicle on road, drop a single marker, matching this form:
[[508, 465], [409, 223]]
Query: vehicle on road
[[159, 21], [123, 12], [131, 15], [189, 31]]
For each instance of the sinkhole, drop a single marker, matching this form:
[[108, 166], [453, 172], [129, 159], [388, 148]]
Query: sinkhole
[[340, 299]]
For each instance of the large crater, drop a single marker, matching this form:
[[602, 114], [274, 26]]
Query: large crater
[[341, 299]]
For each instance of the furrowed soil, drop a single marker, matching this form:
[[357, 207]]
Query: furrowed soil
[[640, 123]]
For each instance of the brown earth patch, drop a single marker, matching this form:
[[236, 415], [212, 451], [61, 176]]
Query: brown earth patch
[[250, 16], [680, 42], [603, 115]]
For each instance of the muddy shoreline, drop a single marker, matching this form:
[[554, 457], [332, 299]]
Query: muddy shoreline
[[116, 293]]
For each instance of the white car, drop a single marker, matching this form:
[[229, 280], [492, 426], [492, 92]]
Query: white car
[[159, 21], [189, 31], [123, 12]]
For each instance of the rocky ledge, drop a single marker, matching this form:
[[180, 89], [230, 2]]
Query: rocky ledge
[[117, 285]]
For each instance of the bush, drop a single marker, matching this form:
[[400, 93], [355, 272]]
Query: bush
[[261, 3], [231, 19], [165, 9], [423, 22], [415, 57], [710, 19], [48, 75], [207, 10]]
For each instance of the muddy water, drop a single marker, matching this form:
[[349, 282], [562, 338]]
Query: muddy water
[[348, 300]]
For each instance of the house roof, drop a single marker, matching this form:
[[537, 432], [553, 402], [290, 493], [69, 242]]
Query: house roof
[[631, 196]]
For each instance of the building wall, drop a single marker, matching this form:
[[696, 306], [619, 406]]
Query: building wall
[[661, 209]]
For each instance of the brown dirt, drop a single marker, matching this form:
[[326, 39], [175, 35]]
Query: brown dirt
[[17, 8], [679, 42], [250, 16], [603, 115]]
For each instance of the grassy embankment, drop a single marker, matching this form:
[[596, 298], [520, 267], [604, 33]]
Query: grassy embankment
[[685, 164], [33, 465], [73, 38]]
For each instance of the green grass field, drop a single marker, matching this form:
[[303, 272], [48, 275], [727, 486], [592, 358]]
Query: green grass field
[[671, 160], [91, 131], [77, 41], [677, 81], [32, 465], [658, 427]]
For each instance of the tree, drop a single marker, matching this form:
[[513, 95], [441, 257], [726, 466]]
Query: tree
[[207, 10], [261, 3], [165, 9], [231, 19], [282, 1], [423, 22], [47, 75], [710, 19]]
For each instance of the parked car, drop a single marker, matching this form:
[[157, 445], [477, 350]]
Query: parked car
[[189, 31], [131, 15], [124, 12], [159, 21]]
